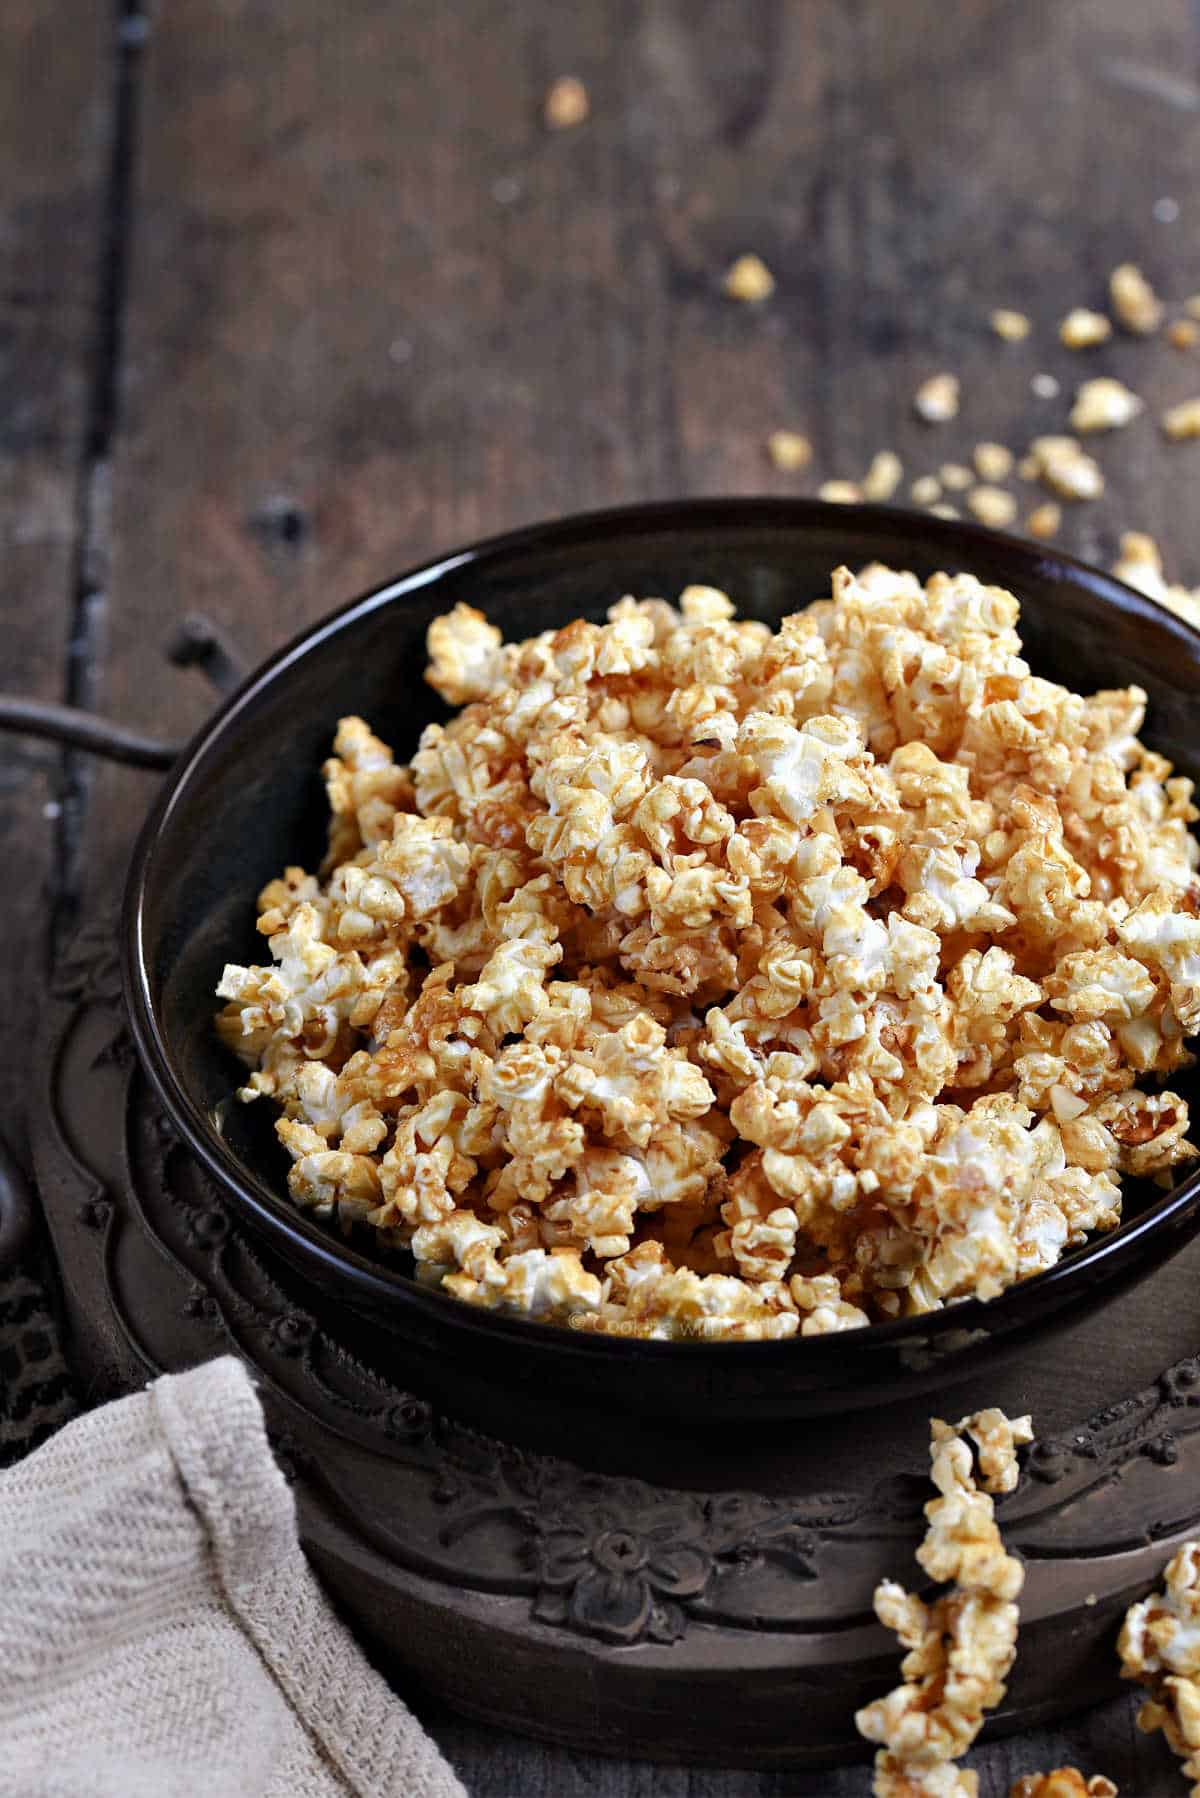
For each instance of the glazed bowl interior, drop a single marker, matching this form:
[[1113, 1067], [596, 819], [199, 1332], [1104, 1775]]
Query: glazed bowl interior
[[246, 799]]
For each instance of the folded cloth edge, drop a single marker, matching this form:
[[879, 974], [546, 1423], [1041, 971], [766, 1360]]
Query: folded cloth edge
[[213, 1424]]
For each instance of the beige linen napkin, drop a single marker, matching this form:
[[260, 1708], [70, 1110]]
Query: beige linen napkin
[[161, 1633]]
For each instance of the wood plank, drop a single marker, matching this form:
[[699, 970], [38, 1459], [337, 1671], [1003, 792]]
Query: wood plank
[[54, 120], [376, 309]]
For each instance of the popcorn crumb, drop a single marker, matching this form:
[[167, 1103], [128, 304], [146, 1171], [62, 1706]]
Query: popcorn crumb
[[1081, 329], [1045, 387], [936, 400], [1104, 405], [750, 280], [1183, 334], [841, 493], [962, 1644], [992, 506], [1065, 467], [1134, 300], [926, 491], [789, 450], [955, 477], [883, 477], [1063, 1782], [1183, 420], [1044, 520], [993, 461], [944, 510], [1159, 1646], [567, 103], [1013, 327]]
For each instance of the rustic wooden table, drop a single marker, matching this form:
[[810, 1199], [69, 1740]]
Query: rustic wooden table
[[295, 295]]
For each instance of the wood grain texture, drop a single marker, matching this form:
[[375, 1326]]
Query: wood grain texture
[[376, 309], [53, 128]]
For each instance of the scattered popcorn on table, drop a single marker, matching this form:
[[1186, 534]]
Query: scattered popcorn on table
[[750, 280], [962, 1644], [840, 493], [1159, 1646], [1182, 420], [1134, 300], [883, 477], [1184, 334], [936, 400], [1044, 520], [1081, 329], [700, 979], [992, 506], [789, 450], [1066, 468], [1063, 1782], [567, 103], [993, 461], [1013, 327], [926, 491], [1104, 405]]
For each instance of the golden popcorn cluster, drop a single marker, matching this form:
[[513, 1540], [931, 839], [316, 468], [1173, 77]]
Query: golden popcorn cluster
[[699, 978]]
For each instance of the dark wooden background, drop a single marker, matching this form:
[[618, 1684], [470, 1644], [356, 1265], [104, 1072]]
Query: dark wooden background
[[293, 295]]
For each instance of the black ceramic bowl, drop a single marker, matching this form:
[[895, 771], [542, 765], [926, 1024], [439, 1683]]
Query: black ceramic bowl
[[246, 798]]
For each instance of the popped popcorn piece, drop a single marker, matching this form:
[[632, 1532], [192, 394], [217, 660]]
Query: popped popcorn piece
[[926, 491], [961, 1645], [955, 477], [749, 279], [992, 506], [1064, 466], [1045, 387], [1183, 334], [1044, 520], [1182, 420], [697, 978], [789, 450], [1104, 405], [942, 510], [840, 493], [1012, 326], [993, 461], [936, 400], [1062, 1782], [883, 477], [1081, 329], [1159, 1646], [1140, 565], [566, 104], [1134, 300]]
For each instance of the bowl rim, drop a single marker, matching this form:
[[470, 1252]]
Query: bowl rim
[[321, 1249]]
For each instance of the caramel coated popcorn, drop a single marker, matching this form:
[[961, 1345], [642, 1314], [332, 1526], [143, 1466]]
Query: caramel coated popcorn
[[750, 280], [1159, 1646], [936, 400], [962, 1644], [1063, 1782], [700, 978], [1134, 300], [1081, 329], [566, 104]]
